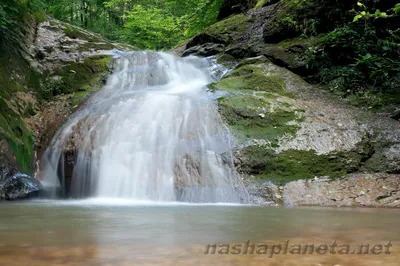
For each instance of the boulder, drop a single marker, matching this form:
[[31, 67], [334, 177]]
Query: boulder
[[19, 186], [207, 49]]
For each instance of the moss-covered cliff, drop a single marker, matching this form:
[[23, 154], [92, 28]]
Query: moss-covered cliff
[[47, 69]]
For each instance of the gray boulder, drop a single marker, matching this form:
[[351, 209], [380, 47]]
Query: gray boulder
[[19, 186]]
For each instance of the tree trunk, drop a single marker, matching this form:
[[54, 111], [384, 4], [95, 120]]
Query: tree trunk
[[91, 13], [71, 13], [124, 13], [82, 13], [86, 16]]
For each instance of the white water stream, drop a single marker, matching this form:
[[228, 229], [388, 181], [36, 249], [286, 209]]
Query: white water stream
[[153, 133]]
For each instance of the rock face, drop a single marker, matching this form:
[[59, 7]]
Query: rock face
[[44, 77], [19, 186], [372, 190], [297, 143], [253, 33]]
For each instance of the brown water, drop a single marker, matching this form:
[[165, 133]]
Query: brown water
[[101, 233]]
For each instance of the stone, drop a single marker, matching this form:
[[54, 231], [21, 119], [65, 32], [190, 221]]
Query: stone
[[204, 38], [207, 49], [346, 191], [19, 186], [276, 29], [262, 193]]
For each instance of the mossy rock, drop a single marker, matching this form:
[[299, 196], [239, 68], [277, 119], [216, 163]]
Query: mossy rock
[[230, 28], [17, 76], [291, 165], [251, 77], [86, 76], [226, 60], [253, 117], [263, 3], [254, 61], [77, 33], [18, 136], [256, 105]]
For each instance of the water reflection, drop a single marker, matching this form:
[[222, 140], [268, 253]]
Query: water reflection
[[47, 233]]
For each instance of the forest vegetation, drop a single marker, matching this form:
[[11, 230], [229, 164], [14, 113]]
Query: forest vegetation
[[146, 24]]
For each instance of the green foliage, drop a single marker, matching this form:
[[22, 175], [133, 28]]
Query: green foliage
[[12, 12], [147, 24], [361, 56], [396, 9], [365, 14], [146, 28]]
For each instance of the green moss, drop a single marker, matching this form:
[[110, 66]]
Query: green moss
[[84, 76], [251, 117], [79, 97], [302, 42], [252, 77], [74, 32], [40, 16], [226, 60], [16, 76], [291, 165], [18, 137], [262, 3], [254, 61], [252, 109], [230, 28], [54, 23], [212, 87]]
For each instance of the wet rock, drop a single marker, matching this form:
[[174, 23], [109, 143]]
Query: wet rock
[[207, 49], [58, 44], [286, 57], [205, 38], [19, 186], [253, 61], [385, 159], [367, 190], [262, 192]]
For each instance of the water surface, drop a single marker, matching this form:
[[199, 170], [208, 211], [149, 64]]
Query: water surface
[[119, 232]]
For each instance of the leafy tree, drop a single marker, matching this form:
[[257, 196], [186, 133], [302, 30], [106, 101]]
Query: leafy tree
[[148, 24], [363, 55]]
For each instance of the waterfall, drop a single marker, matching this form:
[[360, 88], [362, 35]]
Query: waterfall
[[152, 133]]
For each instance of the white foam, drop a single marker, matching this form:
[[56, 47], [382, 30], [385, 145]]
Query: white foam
[[125, 202]]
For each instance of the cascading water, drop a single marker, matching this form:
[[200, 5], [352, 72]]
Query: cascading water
[[152, 133]]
